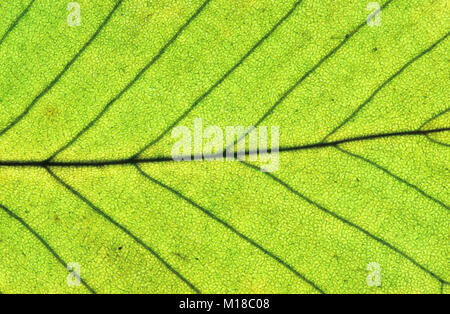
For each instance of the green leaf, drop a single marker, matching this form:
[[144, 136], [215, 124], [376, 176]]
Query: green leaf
[[86, 172]]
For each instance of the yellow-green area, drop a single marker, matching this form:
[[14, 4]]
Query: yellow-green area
[[363, 172]]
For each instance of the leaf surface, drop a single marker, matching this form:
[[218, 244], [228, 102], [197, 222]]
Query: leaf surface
[[87, 175]]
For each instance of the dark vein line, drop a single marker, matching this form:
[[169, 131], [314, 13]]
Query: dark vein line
[[16, 21], [132, 82], [437, 142], [46, 245], [434, 117], [219, 82], [347, 222], [123, 229], [121, 162], [384, 84], [431, 119], [230, 228], [61, 74], [412, 186], [306, 75]]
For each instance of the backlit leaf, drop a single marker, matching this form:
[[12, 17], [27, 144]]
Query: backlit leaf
[[86, 172]]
